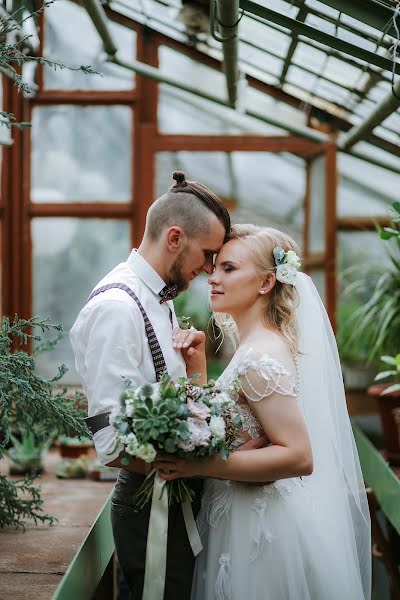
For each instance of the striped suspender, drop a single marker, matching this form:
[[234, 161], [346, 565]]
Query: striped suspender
[[102, 420]]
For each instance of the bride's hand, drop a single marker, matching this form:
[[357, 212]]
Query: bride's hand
[[171, 467], [192, 343]]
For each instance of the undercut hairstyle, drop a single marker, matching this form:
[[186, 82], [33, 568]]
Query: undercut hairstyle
[[188, 204]]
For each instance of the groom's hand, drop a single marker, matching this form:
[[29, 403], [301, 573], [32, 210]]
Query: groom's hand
[[192, 344], [190, 341]]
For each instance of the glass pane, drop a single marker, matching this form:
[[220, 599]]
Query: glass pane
[[318, 277], [81, 154], [69, 257], [264, 36], [72, 39], [180, 112], [359, 249], [316, 240], [191, 72], [305, 56], [259, 187], [364, 189], [260, 60]]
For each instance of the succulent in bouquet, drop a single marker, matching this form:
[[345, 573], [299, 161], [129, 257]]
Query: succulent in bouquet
[[180, 418]]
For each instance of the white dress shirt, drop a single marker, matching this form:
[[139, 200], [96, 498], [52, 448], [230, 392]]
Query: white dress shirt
[[109, 342]]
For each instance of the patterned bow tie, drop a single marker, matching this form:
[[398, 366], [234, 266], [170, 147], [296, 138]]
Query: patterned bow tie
[[169, 292]]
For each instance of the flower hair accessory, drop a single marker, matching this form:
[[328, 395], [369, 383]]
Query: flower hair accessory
[[287, 265]]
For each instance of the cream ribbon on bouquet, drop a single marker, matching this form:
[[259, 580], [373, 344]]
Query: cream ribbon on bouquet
[[157, 537]]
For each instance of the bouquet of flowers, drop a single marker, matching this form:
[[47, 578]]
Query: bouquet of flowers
[[180, 418]]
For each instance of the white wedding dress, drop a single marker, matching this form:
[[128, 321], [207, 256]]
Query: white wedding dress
[[304, 538]]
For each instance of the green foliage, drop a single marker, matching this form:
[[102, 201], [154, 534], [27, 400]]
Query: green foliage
[[27, 450], [394, 231], [375, 324], [34, 405], [352, 352], [195, 305], [20, 500], [189, 303], [394, 372]]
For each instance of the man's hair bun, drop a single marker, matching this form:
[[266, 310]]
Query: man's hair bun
[[179, 176]]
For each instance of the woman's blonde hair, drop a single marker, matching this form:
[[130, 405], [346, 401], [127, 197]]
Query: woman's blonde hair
[[282, 300]]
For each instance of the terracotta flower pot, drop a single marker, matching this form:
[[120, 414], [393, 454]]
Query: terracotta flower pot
[[386, 405], [74, 451]]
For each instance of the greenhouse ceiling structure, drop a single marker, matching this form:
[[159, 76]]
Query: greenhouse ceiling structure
[[336, 60]]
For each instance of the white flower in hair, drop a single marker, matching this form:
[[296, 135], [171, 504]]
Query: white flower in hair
[[293, 260], [286, 273], [287, 265]]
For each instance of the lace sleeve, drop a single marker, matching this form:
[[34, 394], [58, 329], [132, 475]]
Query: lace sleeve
[[265, 376]]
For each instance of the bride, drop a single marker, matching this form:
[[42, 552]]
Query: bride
[[288, 521]]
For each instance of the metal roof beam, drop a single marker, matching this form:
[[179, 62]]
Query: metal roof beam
[[389, 104], [357, 30], [320, 36], [301, 16], [100, 21], [373, 14], [227, 16]]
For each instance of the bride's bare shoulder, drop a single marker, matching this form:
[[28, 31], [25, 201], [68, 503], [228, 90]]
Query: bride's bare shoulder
[[268, 344]]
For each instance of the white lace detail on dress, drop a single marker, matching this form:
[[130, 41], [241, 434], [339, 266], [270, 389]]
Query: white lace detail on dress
[[259, 378], [262, 530], [265, 376], [223, 589], [250, 423]]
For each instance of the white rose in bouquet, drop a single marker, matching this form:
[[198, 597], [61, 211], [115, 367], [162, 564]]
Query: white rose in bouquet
[[146, 452], [222, 398], [217, 426], [199, 431]]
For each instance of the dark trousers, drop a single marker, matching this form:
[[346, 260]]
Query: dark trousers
[[130, 537]]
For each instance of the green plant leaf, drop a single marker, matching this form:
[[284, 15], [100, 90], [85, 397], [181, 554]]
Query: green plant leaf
[[392, 388], [384, 374], [389, 360], [385, 235], [396, 206]]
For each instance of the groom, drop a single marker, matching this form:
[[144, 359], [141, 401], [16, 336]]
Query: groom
[[112, 339]]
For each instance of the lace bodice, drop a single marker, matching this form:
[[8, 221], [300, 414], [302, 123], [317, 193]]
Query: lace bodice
[[260, 376]]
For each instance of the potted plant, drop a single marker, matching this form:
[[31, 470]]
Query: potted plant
[[358, 372], [376, 324], [73, 468], [388, 397], [26, 452], [74, 446]]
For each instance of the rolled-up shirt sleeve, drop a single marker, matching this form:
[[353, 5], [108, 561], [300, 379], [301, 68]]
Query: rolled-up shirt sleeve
[[113, 352]]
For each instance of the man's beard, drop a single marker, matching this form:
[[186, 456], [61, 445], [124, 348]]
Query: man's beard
[[176, 277]]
